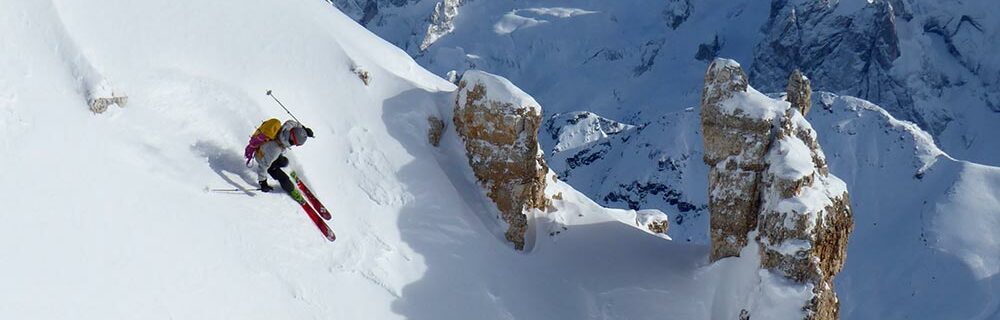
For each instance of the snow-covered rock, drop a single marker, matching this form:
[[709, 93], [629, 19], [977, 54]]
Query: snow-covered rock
[[736, 124], [654, 221], [768, 176], [805, 217], [442, 21], [499, 124]]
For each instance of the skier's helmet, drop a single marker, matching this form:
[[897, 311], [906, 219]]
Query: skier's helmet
[[298, 136]]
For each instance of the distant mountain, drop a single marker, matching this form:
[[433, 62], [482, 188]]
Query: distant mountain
[[925, 61]]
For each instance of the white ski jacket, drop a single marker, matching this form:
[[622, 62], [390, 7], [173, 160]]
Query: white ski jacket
[[268, 152]]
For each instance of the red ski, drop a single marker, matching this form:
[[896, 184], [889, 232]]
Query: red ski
[[312, 198], [323, 228]]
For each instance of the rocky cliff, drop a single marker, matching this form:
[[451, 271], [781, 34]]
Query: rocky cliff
[[736, 143], [842, 50], [799, 92], [915, 58], [499, 124], [441, 21], [364, 11], [768, 176]]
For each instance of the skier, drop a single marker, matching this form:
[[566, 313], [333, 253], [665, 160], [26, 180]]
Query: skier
[[268, 145]]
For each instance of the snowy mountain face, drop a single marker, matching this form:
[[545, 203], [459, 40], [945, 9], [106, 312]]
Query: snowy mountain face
[[929, 62], [919, 216], [924, 61], [364, 11], [412, 24], [612, 49]]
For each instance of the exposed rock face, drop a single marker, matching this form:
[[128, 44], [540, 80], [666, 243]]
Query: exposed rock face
[[799, 92], [848, 52], [101, 104], [436, 130], [654, 221], [806, 217], [676, 12], [364, 11], [769, 174], [735, 145], [708, 51], [499, 124], [441, 21], [362, 74]]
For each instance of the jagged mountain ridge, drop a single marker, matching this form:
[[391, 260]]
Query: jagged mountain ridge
[[925, 61]]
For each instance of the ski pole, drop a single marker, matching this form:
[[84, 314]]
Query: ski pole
[[282, 106], [233, 190]]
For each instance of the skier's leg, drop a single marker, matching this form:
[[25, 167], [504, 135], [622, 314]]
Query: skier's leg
[[276, 173]]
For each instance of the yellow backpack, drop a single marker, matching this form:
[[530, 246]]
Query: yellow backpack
[[269, 128], [267, 131]]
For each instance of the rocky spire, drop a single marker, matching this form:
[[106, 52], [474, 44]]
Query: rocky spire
[[499, 124], [735, 165], [799, 92], [768, 175]]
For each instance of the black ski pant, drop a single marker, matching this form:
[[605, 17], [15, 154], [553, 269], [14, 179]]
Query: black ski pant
[[276, 173]]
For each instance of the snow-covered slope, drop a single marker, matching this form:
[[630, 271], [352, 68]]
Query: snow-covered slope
[[106, 215], [921, 218]]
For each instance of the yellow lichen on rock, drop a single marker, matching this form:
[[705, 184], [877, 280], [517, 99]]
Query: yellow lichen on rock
[[501, 139]]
